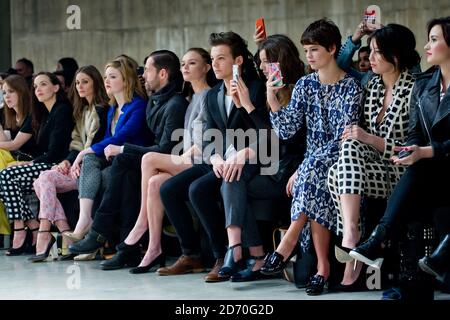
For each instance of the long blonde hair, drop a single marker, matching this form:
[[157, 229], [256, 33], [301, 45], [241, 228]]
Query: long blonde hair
[[132, 84]]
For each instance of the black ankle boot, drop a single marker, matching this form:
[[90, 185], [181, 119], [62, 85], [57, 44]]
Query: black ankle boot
[[370, 251], [439, 262], [229, 265], [90, 243], [129, 256]]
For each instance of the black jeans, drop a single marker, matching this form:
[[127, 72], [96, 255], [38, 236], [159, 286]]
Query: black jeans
[[200, 186], [120, 203], [418, 194]]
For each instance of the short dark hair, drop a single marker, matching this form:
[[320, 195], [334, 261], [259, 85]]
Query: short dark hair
[[238, 47], [395, 41], [364, 49], [27, 62], [165, 59], [323, 32], [445, 25]]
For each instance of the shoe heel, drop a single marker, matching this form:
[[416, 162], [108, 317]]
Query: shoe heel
[[53, 254], [377, 263]]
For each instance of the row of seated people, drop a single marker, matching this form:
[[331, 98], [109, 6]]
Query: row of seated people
[[337, 143]]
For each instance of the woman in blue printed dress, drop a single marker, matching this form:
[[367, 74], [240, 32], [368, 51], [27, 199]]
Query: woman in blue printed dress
[[325, 102]]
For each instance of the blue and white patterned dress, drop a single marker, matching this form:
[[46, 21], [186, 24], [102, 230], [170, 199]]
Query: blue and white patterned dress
[[325, 110]]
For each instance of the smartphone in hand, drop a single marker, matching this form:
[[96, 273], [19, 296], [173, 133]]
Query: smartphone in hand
[[260, 25], [274, 68], [235, 73]]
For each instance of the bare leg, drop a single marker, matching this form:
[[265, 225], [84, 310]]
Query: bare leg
[[43, 238], [152, 164], [155, 217], [350, 209], [234, 237], [85, 219], [290, 239], [19, 236], [33, 224], [257, 251], [321, 238]]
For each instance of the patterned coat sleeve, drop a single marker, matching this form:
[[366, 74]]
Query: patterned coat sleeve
[[287, 121]]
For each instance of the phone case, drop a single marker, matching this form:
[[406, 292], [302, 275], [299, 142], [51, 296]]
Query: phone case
[[274, 67], [260, 23]]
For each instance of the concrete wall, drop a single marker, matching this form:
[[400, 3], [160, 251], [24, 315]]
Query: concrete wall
[[137, 27], [5, 35]]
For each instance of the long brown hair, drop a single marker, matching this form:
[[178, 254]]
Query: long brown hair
[[100, 97], [132, 85], [280, 48], [14, 120]]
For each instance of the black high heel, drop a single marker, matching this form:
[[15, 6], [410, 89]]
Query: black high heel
[[161, 260], [230, 266], [51, 250], [358, 285], [31, 248], [21, 249]]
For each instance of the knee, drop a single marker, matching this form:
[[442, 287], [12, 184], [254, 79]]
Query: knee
[[154, 185], [148, 159], [350, 146], [195, 190]]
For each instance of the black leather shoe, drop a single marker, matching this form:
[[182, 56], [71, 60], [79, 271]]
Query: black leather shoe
[[123, 258], [248, 274], [43, 256], [370, 251], [161, 260], [438, 263], [316, 285], [230, 266], [89, 244]]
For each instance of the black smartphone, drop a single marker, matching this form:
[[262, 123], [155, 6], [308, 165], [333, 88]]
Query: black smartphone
[[404, 154], [140, 71]]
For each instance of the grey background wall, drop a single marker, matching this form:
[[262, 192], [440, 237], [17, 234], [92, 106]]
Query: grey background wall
[[137, 27]]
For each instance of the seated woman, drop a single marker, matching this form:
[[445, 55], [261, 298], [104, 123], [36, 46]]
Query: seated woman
[[90, 103], [323, 102], [364, 166], [16, 143], [125, 123], [158, 167], [51, 124], [240, 221], [427, 153]]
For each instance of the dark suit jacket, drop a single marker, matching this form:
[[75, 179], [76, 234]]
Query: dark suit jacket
[[216, 117], [165, 113]]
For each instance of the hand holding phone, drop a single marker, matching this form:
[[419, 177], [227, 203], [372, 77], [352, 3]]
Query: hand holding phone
[[235, 73], [260, 32], [274, 68]]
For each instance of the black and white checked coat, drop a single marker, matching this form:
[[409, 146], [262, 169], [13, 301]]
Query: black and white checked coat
[[361, 169]]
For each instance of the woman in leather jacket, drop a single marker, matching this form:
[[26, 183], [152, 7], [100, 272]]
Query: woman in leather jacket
[[427, 154]]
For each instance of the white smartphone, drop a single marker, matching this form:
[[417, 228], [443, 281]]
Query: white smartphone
[[235, 72]]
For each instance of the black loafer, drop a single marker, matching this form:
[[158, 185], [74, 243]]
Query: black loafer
[[316, 285]]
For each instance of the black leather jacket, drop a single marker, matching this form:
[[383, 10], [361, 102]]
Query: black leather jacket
[[430, 119]]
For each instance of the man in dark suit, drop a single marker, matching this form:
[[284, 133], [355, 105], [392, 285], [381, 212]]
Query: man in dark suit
[[119, 207], [201, 184]]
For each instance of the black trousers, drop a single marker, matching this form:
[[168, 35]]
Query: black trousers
[[200, 186], [418, 194], [120, 204]]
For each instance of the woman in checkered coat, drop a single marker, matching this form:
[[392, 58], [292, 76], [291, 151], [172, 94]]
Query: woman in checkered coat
[[364, 166]]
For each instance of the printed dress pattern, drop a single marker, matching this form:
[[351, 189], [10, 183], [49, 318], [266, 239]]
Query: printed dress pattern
[[325, 110]]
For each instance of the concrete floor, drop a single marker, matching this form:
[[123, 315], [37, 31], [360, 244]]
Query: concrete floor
[[68, 280]]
